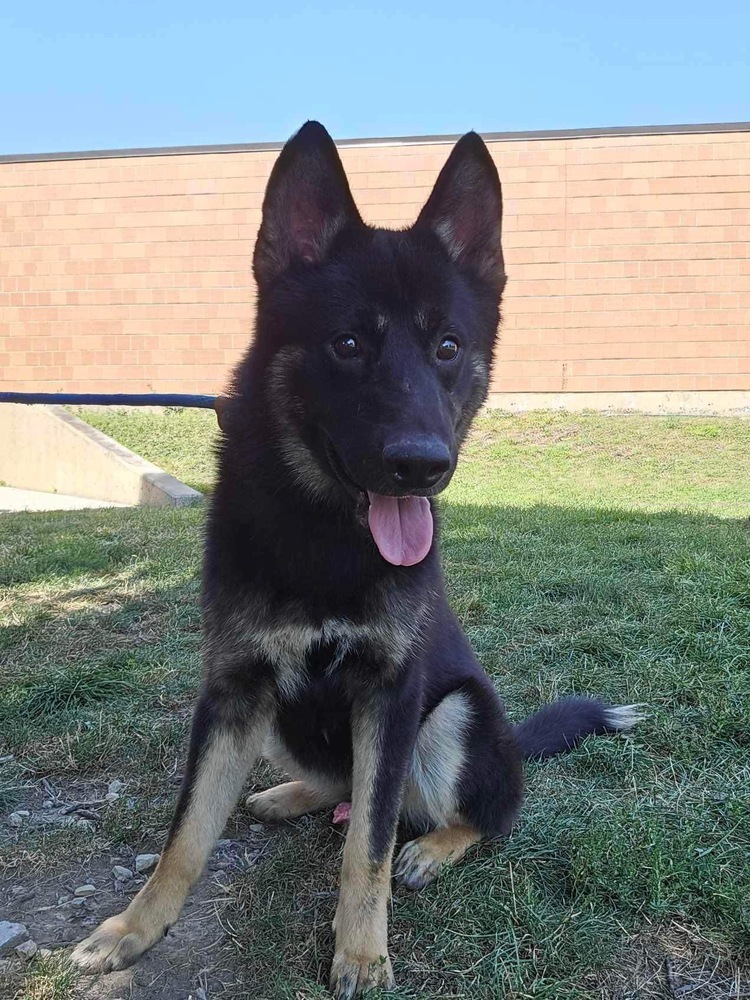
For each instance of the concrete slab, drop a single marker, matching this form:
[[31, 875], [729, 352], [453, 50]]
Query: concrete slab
[[45, 448], [12, 500]]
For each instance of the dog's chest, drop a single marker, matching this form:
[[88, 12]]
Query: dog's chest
[[298, 648], [301, 653]]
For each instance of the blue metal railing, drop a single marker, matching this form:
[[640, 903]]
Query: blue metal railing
[[110, 399]]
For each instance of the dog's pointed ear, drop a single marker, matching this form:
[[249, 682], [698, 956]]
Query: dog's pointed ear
[[465, 210], [307, 203]]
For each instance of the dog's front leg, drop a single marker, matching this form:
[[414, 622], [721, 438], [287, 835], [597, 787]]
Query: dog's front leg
[[229, 725], [384, 727]]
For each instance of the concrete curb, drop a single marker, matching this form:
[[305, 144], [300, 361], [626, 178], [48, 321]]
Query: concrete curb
[[689, 402], [47, 448]]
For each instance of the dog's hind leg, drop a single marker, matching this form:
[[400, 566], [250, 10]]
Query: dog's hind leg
[[226, 738], [465, 781], [309, 792], [293, 799]]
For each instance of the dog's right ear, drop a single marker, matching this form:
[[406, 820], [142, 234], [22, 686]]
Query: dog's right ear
[[307, 203]]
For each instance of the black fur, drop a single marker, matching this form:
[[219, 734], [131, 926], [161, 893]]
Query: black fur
[[308, 431], [326, 623], [322, 273], [562, 725]]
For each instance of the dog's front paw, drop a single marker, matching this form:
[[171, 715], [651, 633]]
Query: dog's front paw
[[115, 944], [352, 974]]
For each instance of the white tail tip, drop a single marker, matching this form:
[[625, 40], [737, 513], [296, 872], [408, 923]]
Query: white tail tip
[[623, 717]]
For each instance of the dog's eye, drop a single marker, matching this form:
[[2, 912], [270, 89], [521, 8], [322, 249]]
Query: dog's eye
[[448, 349], [345, 347]]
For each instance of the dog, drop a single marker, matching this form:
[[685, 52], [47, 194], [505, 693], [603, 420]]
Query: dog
[[329, 643]]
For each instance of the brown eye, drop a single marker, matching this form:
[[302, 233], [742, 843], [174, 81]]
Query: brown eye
[[345, 347], [448, 349]]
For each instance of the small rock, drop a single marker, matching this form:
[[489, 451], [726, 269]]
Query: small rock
[[83, 891], [27, 950], [145, 862], [115, 787], [111, 797], [257, 827], [121, 873], [48, 804], [15, 819], [61, 900], [79, 901], [11, 934], [45, 952]]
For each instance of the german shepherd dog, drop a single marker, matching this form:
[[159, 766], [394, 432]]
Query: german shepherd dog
[[329, 642]]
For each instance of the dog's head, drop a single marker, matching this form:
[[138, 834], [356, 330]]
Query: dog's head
[[377, 345]]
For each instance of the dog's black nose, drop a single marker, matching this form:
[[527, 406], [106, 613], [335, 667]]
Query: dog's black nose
[[416, 463]]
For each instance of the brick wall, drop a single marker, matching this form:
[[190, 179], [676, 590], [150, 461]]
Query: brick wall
[[628, 260]]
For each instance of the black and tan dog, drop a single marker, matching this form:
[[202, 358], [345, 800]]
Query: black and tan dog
[[329, 642]]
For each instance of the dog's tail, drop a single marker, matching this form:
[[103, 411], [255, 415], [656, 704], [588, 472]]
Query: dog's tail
[[563, 724]]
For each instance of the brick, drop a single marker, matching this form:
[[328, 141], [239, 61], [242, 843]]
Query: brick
[[627, 258]]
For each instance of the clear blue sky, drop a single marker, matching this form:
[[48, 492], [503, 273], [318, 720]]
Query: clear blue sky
[[87, 75]]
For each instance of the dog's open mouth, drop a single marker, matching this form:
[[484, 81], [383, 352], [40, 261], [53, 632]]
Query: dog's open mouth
[[401, 527]]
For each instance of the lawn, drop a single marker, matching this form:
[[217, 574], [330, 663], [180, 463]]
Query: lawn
[[584, 553]]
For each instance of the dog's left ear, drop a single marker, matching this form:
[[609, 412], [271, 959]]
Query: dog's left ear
[[307, 204], [465, 210]]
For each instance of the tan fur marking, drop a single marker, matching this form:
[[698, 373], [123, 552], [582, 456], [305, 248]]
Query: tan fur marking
[[222, 770], [361, 958], [284, 635], [292, 799], [307, 471], [420, 860], [431, 793]]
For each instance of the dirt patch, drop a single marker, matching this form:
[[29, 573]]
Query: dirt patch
[[196, 959]]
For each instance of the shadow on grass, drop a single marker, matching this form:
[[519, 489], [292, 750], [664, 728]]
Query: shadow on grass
[[52, 547], [638, 607]]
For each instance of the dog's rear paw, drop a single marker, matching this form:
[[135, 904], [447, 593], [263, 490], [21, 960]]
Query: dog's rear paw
[[270, 806], [113, 945], [352, 975], [289, 801], [420, 861], [416, 866]]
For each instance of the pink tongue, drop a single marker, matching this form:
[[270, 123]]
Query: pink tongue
[[401, 527]]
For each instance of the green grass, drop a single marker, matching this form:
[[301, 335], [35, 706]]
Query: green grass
[[176, 439], [48, 979], [583, 553]]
